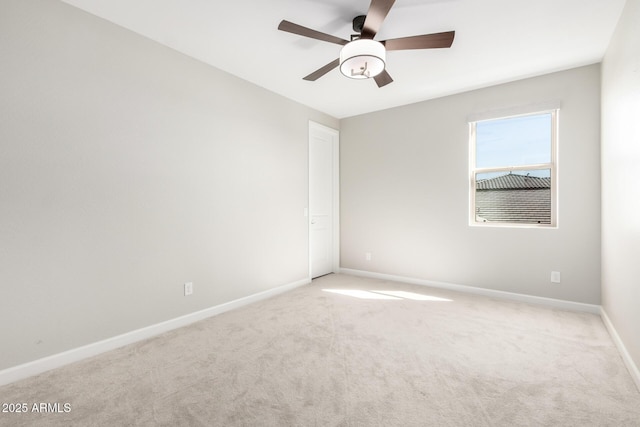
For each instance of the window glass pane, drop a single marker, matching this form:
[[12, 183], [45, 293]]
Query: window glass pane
[[514, 197], [515, 141]]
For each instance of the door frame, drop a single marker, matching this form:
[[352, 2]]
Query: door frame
[[335, 211]]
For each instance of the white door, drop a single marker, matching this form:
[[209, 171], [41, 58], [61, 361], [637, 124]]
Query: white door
[[323, 200]]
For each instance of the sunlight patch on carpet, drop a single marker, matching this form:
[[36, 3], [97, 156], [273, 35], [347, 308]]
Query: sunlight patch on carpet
[[361, 294], [387, 295], [413, 296]]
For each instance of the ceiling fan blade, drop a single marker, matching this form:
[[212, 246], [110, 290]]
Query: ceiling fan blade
[[290, 27], [383, 78], [322, 71], [378, 10], [426, 41]]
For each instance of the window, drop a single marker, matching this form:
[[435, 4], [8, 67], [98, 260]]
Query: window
[[513, 170]]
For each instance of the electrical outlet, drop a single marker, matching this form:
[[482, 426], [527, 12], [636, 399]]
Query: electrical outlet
[[555, 277], [367, 256], [188, 288]]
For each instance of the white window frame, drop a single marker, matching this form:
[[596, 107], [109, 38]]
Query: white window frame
[[552, 166]]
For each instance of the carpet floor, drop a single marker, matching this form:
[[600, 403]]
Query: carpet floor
[[350, 351]]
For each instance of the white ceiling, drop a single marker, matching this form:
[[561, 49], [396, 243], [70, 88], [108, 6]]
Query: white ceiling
[[496, 41]]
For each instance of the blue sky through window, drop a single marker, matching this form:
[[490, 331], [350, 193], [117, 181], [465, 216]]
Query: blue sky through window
[[515, 141]]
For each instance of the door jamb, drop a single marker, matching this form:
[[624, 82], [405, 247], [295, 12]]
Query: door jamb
[[335, 232]]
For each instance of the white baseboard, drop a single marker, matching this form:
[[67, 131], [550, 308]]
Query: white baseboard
[[549, 302], [626, 357], [39, 366]]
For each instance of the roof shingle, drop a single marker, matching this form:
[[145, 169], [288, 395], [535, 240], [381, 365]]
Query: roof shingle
[[513, 181], [514, 198]]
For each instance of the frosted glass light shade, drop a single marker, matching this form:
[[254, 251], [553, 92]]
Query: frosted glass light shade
[[362, 59]]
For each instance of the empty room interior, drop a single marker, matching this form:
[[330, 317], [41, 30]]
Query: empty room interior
[[201, 223]]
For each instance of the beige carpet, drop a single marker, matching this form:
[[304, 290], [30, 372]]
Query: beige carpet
[[317, 358]]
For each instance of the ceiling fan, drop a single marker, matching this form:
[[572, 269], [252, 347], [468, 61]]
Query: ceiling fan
[[363, 57]]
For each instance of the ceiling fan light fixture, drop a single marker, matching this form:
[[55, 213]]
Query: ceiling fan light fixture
[[362, 59]]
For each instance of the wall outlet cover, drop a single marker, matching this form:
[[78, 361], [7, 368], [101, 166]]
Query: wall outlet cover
[[188, 288]]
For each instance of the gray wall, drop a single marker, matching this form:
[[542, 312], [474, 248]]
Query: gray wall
[[127, 169], [405, 194], [621, 180]]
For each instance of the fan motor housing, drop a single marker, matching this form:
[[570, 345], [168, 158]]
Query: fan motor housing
[[358, 23]]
